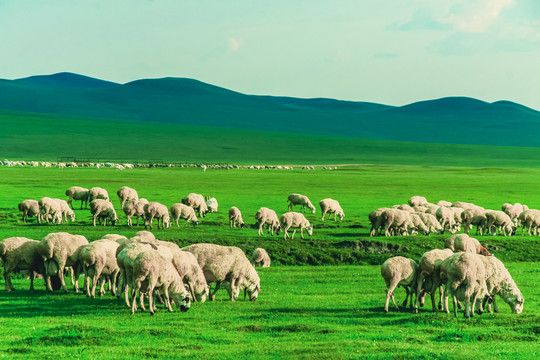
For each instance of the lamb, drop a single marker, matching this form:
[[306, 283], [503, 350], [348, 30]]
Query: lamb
[[497, 221], [159, 211], [61, 250], [466, 282], [399, 271], [298, 199], [267, 216], [331, 206], [260, 258], [376, 221], [50, 209], [78, 193], [294, 220], [103, 209], [134, 208], [227, 263], [19, 253], [65, 210], [431, 223], [463, 242], [212, 204], [29, 208], [429, 271], [235, 216], [396, 220], [499, 282], [417, 201], [126, 193], [99, 259], [98, 193], [182, 211], [196, 201]]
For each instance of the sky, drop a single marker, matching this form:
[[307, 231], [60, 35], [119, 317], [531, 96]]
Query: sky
[[392, 52]]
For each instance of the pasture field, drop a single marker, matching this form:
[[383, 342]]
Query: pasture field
[[325, 311]]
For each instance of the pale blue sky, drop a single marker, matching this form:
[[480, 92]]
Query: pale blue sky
[[393, 52]]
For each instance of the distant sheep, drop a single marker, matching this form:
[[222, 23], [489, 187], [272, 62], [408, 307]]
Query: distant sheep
[[260, 258], [302, 200], [134, 208], [65, 210], [376, 221], [295, 220], [196, 201], [158, 211], [50, 209], [267, 216], [331, 206], [499, 221], [29, 208], [212, 204], [235, 216], [182, 211], [103, 209], [399, 271], [397, 221], [417, 201], [126, 193], [98, 193], [78, 193], [465, 243]]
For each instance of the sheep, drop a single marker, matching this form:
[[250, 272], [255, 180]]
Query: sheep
[[227, 264], [513, 211], [211, 204], [19, 253], [260, 258], [235, 216], [115, 237], [376, 221], [429, 271], [159, 211], [182, 211], [331, 206], [466, 282], [419, 224], [78, 193], [196, 201], [530, 219], [267, 216], [294, 220], [98, 193], [431, 223], [446, 218], [404, 207], [499, 282], [417, 201], [444, 203], [298, 199], [29, 208], [49, 209], [396, 220], [126, 193], [151, 270], [399, 271], [61, 250], [65, 210], [476, 217], [463, 242], [103, 209], [497, 221], [190, 272], [134, 208], [99, 259]]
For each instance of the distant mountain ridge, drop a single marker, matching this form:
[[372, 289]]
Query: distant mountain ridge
[[191, 102]]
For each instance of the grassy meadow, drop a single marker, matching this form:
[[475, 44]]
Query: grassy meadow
[[333, 310]]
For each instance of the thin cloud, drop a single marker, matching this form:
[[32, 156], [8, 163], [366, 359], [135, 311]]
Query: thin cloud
[[233, 45]]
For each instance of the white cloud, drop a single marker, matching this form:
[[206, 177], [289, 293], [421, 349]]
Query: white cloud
[[476, 16], [233, 44]]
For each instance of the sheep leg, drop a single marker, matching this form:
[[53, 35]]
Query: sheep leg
[[134, 296], [95, 279], [286, 234], [294, 232], [213, 296], [302, 233], [261, 232], [114, 282], [406, 297], [151, 287], [167, 298], [234, 280], [390, 294], [324, 213], [7, 278], [418, 290], [440, 297]]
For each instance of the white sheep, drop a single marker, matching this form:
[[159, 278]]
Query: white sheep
[[446, 218], [65, 210], [331, 206], [294, 220], [260, 258], [78, 193], [417, 201], [497, 221], [397, 221], [530, 220], [444, 203], [429, 277], [190, 272], [212, 204], [419, 224], [399, 271], [99, 259], [134, 208], [474, 217], [98, 193], [227, 264], [465, 243], [126, 193], [103, 209], [196, 201], [404, 207], [61, 250], [49, 209], [182, 211], [19, 253], [158, 211], [235, 216], [431, 222], [267, 216], [29, 208], [376, 221], [302, 200]]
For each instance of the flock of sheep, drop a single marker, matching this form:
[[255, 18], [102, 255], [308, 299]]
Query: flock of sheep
[[140, 265], [469, 273], [420, 216], [193, 205]]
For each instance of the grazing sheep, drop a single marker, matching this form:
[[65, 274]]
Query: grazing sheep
[[98, 193], [235, 216], [444, 203], [99, 259], [103, 209], [29, 208], [65, 210], [190, 272], [431, 222], [476, 217], [134, 208], [19, 253], [499, 282], [404, 207], [196, 201], [417, 201], [227, 263], [126, 193], [419, 224], [212, 204], [465, 205], [399, 271], [159, 211], [50, 209], [260, 258], [302, 200], [429, 277], [446, 217], [61, 250], [397, 221], [465, 243], [294, 220], [376, 221], [115, 237], [513, 211], [331, 206], [182, 211], [497, 221], [466, 282], [530, 220], [267, 216], [78, 193]]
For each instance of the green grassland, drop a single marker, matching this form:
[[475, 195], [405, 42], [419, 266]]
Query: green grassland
[[326, 311]]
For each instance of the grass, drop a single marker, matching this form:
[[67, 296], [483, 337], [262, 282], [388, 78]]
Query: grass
[[322, 311]]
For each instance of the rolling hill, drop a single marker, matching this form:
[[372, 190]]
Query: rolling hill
[[188, 102]]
